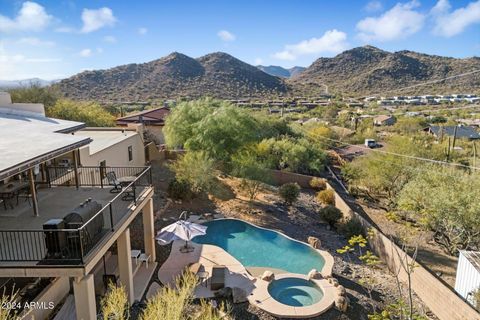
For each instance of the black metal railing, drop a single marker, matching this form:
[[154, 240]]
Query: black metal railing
[[59, 247], [87, 176]]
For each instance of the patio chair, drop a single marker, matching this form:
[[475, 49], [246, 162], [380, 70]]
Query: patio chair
[[217, 281], [113, 181]]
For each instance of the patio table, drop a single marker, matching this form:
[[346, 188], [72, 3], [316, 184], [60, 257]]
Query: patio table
[[11, 190], [125, 181], [135, 254]]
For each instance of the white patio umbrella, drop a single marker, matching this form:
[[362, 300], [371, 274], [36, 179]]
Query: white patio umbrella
[[180, 230]]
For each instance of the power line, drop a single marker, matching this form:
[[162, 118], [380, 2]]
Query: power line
[[428, 82], [458, 165]]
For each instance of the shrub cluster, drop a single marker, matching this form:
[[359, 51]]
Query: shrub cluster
[[330, 214], [179, 190], [326, 197], [318, 183], [289, 192]]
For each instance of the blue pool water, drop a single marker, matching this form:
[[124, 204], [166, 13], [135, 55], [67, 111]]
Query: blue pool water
[[295, 292], [257, 247]]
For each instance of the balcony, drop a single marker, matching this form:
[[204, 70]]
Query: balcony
[[25, 243]]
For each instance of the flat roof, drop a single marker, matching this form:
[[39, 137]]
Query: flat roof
[[27, 139], [104, 138]]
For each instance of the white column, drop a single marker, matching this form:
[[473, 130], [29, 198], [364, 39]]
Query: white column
[[125, 263], [84, 292], [149, 229]]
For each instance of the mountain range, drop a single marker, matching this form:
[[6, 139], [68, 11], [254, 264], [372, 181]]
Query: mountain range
[[278, 71], [359, 71], [11, 84]]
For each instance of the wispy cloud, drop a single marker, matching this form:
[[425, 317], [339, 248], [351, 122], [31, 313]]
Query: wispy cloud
[[35, 42], [94, 19], [31, 17], [85, 53], [258, 61], [450, 23], [374, 6], [226, 36], [142, 31], [332, 41], [110, 39], [399, 22]]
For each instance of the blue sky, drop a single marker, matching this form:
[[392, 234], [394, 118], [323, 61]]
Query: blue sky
[[55, 39]]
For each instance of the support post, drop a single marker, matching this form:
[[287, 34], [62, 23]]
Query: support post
[[33, 192], [148, 229], [125, 263], [84, 292], [75, 168]]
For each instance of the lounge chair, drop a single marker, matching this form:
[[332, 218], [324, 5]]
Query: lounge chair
[[113, 181], [217, 280]]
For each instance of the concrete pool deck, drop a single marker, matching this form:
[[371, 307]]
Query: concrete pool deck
[[238, 276]]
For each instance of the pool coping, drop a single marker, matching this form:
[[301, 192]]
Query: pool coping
[[261, 298], [327, 268]]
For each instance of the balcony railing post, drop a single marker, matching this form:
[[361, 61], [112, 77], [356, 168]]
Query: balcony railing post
[[101, 178], [134, 193], [111, 216], [80, 238]]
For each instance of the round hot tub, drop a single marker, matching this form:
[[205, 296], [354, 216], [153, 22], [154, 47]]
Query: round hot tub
[[296, 292]]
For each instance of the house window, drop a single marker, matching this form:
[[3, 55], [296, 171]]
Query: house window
[[130, 153]]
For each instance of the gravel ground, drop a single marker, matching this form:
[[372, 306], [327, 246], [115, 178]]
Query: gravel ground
[[299, 222]]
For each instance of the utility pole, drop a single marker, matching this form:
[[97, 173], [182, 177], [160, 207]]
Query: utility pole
[[474, 154], [454, 138]]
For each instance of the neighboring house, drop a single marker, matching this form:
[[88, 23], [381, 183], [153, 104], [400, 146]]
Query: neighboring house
[[461, 132], [113, 147], [384, 120], [153, 120], [467, 279], [73, 219]]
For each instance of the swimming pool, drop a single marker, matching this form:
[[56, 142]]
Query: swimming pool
[[258, 247], [295, 292]]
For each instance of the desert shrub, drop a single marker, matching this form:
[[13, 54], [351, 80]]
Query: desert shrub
[[114, 304], [318, 183], [179, 190], [289, 192], [252, 172], [330, 214], [92, 113], [476, 299], [350, 228], [197, 169], [172, 302], [326, 197]]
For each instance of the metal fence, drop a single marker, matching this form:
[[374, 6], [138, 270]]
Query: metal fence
[[71, 246]]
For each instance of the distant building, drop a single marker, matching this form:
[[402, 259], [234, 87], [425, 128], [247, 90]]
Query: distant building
[[461, 132], [153, 120], [384, 120]]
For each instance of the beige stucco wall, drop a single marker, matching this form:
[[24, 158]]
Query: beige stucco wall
[[157, 132], [117, 154]]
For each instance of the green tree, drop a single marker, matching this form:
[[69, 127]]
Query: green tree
[[197, 169], [89, 112], [290, 154], [252, 172], [446, 201], [35, 93], [213, 126]]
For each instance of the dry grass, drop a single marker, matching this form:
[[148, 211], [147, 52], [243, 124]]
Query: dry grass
[[171, 303], [115, 304], [7, 306], [176, 303]]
